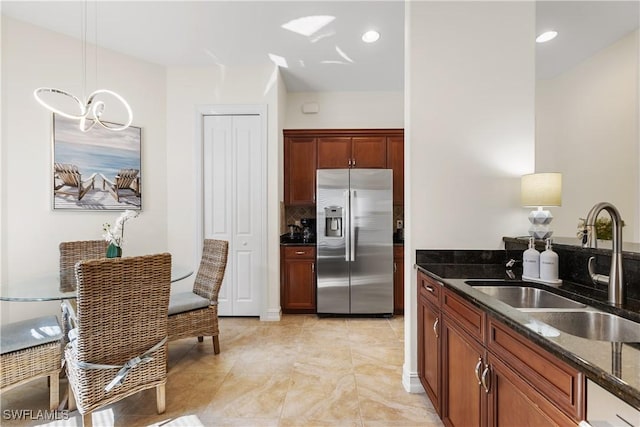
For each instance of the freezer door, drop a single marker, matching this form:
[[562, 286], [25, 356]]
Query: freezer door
[[332, 208], [371, 242]]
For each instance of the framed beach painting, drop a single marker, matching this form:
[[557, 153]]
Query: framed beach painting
[[96, 170]]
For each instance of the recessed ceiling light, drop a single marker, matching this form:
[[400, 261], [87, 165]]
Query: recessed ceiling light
[[546, 36], [370, 36]]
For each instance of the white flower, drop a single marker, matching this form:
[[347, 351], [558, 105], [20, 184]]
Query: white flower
[[115, 234]]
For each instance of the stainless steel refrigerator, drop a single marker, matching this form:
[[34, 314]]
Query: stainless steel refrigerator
[[354, 222]]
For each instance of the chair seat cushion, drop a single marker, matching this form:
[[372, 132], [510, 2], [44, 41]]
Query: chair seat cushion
[[181, 302], [29, 333]]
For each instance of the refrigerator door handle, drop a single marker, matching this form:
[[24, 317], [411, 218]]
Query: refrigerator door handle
[[346, 220], [352, 228]]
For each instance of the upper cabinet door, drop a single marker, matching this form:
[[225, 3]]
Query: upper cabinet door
[[369, 152], [334, 152], [300, 167], [395, 161]]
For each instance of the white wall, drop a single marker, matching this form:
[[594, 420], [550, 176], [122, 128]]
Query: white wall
[[587, 128], [346, 110], [31, 231], [187, 88], [469, 102]]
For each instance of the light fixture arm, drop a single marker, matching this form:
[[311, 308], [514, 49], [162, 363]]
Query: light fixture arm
[[89, 112]]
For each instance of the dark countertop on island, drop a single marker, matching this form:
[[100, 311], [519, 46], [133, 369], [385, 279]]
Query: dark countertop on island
[[594, 358]]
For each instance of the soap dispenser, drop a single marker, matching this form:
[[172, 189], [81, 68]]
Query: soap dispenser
[[549, 264], [531, 261]]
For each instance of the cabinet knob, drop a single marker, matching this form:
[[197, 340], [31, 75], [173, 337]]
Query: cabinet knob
[[299, 252]]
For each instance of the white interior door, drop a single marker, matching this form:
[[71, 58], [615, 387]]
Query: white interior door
[[234, 203]]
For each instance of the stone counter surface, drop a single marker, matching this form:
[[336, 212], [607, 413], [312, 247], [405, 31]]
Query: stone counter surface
[[594, 358]]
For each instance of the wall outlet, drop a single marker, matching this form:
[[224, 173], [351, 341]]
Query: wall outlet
[[399, 223]]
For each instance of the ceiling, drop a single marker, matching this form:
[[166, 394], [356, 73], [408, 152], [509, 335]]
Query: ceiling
[[231, 33], [201, 33], [584, 27]]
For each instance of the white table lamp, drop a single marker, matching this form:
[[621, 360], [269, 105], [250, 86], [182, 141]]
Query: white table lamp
[[541, 190]]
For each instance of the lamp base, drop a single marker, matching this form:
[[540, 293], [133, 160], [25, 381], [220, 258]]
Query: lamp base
[[540, 224]]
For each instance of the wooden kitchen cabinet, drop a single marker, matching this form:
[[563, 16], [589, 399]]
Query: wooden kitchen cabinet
[[398, 279], [298, 279], [544, 373], [306, 150], [429, 343], [342, 152], [514, 402], [463, 399], [300, 170], [395, 161], [489, 374], [334, 152]]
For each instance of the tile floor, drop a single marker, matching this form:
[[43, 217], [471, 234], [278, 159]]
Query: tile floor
[[302, 371]]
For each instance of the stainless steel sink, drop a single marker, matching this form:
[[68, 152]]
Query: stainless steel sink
[[592, 325], [527, 297]]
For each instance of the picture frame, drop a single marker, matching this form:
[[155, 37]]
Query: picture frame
[[100, 169]]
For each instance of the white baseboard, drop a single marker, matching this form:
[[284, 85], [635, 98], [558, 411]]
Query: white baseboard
[[272, 315], [411, 381]]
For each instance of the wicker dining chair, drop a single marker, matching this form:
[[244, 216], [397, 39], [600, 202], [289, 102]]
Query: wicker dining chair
[[31, 349], [195, 313], [119, 344], [71, 253]]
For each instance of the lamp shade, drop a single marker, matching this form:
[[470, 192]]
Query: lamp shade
[[541, 189]]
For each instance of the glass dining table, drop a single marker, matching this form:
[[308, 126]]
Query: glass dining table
[[47, 288]]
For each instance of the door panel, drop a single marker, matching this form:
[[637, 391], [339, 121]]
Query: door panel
[[334, 152], [371, 241], [464, 401], [369, 152], [332, 258], [233, 206]]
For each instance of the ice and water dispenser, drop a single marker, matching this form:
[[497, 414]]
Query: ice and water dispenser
[[333, 221]]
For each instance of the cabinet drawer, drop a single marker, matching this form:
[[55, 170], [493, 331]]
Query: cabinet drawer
[[469, 317], [557, 381], [429, 288], [292, 252]]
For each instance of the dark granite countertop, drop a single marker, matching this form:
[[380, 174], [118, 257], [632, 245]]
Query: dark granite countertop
[[297, 244], [594, 358]]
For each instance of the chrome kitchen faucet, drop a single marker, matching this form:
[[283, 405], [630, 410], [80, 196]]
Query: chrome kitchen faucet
[[614, 280]]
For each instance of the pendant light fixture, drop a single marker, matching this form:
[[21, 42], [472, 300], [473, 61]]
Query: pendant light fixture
[[89, 112]]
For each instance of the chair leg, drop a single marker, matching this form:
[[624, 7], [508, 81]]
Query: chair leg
[[72, 399], [216, 345], [160, 398], [200, 339], [54, 391], [87, 420]]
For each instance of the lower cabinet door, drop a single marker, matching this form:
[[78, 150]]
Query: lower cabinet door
[[513, 402], [429, 345], [299, 290], [463, 399]]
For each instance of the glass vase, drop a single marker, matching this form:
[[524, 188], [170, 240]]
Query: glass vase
[[114, 251]]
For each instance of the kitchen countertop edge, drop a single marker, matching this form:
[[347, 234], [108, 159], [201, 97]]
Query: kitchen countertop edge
[[514, 318]]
